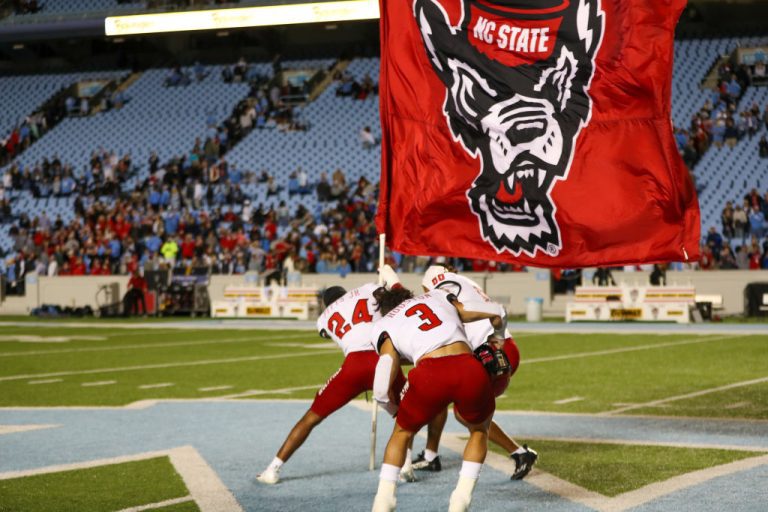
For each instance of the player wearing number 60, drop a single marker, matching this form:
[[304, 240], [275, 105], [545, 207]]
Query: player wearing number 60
[[348, 320], [429, 330]]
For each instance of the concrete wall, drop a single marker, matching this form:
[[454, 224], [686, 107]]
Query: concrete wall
[[73, 291], [510, 289]]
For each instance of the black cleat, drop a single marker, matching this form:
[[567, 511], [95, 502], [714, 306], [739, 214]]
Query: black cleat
[[523, 462], [421, 464]]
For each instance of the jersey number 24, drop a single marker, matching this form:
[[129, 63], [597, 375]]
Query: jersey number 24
[[340, 327]]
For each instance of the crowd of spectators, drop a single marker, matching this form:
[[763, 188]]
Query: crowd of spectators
[[719, 122], [104, 175], [349, 86], [742, 243]]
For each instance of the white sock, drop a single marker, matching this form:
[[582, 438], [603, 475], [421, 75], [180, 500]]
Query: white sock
[[520, 450], [470, 470], [464, 487], [275, 465], [429, 455], [389, 473], [408, 462], [462, 495]]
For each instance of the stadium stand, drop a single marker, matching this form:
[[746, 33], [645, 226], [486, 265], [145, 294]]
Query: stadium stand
[[307, 192], [34, 10]]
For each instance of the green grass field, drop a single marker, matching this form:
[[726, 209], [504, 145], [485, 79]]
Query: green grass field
[[701, 376], [594, 373], [612, 469], [110, 487]]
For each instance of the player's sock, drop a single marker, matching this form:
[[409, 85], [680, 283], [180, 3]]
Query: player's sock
[[385, 500], [462, 495], [271, 475], [408, 462], [275, 465], [389, 473], [429, 455], [520, 450], [406, 472], [470, 470]]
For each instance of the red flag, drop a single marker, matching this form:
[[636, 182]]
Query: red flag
[[535, 131]]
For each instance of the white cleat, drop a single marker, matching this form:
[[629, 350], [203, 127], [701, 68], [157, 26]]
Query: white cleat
[[459, 502], [384, 503], [407, 475], [270, 476]]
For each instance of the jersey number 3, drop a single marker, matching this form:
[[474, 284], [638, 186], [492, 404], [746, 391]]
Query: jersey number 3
[[425, 313], [360, 315]]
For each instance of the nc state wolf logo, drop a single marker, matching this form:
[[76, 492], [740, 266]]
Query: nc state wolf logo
[[517, 75]]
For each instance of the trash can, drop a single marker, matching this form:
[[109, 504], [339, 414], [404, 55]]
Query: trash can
[[534, 306]]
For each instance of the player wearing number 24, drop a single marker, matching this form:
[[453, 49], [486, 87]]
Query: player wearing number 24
[[348, 320]]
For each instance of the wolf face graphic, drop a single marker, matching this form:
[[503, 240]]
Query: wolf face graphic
[[517, 75]]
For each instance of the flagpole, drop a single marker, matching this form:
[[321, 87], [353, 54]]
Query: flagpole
[[375, 408]]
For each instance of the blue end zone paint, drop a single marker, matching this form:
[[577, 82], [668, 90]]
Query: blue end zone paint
[[745, 491], [670, 430], [329, 473]]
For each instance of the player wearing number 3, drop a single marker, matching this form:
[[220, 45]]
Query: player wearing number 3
[[348, 320], [429, 330]]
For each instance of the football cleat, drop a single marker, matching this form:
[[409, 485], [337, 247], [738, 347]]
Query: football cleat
[[269, 476], [420, 463], [459, 502], [384, 503], [406, 475], [523, 462]]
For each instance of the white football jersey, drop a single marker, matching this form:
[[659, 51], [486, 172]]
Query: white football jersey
[[349, 320], [422, 324], [472, 296]]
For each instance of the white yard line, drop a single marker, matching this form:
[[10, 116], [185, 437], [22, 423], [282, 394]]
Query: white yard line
[[329, 344], [159, 504], [640, 442], [149, 345], [597, 501], [158, 385], [568, 400], [280, 391], [13, 429], [203, 362], [98, 383], [44, 381], [215, 388], [215, 325], [656, 490], [205, 486], [578, 355], [695, 394], [84, 465]]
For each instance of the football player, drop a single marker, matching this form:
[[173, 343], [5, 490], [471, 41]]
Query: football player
[[348, 320], [472, 296], [429, 331]]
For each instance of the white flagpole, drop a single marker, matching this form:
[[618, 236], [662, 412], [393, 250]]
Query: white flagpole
[[375, 408]]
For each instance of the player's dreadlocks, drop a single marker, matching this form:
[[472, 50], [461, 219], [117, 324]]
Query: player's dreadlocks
[[387, 300]]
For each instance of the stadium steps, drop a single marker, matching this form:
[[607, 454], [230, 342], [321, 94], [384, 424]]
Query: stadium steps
[[55, 97], [339, 67], [713, 77], [122, 85], [129, 81]]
